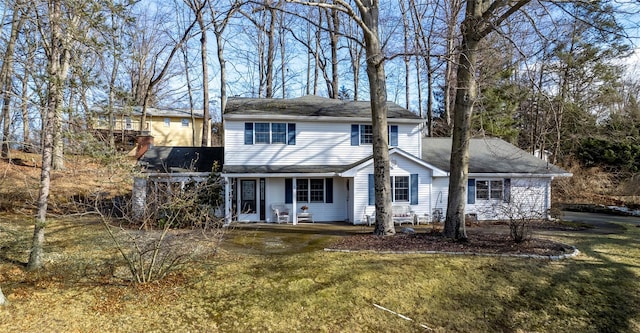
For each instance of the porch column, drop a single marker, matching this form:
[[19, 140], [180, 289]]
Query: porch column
[[293, 202], [227, 201]]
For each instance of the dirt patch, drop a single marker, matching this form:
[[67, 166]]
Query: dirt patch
[[481, 240]]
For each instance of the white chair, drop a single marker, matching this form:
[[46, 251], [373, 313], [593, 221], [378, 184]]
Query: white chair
[[281, 212]]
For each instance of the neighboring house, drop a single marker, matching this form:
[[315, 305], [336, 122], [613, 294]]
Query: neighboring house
[[168, 127], [317, 152]]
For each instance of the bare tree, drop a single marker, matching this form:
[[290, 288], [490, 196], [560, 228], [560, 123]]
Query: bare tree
[[367, 18], [6, 75], [220, 20], [480, 19]]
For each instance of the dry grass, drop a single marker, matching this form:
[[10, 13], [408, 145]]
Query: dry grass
[[280, 280]]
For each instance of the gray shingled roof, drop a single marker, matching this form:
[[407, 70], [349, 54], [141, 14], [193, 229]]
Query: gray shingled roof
[[311, 106], [283, 168], [172, 159], [489, 155]]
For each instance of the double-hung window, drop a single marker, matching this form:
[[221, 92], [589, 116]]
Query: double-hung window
[[310, 190], [403, 189], [278, 133], [363, 135], [314, 190], [270, 133], [262, 133], [488, 189], [185, 122], [400, 188]]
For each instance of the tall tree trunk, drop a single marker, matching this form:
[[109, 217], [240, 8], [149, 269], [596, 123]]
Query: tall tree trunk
[[465, 98], [378, 86], [6, 77], [194, 132], [334, 34], [406, 58], [206, 121], [271, 51], [476, 25], [56, 76], [24, 106]]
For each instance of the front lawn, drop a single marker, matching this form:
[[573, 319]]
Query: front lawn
[[281, 281]]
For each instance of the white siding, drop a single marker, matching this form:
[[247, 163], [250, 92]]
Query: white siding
[[322, 212], [529, 200], [316, 144], [403, 167], [440, 195]]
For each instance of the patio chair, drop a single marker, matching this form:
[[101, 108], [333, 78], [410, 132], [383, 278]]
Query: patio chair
[[281, 212]]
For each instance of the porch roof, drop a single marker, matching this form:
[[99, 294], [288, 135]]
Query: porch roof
[[290, 170]]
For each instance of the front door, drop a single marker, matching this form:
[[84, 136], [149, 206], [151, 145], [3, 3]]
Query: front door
[[248, 201]]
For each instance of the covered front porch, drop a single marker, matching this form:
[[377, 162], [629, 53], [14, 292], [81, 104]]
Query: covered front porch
[[257, 197]]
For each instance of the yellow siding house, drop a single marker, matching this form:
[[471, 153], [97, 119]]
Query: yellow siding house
[[168, 127]]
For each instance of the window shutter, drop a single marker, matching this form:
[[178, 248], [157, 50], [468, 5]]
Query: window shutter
[[507, 190], [291, 132], [248, 133], [414, 189], [471, 191], [393, 135], [355, 135], [328, 190], [372, 193], [288, 190]]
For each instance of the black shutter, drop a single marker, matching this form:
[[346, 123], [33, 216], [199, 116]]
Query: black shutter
[[507, 190], [248, 133], [372, 192], [355, 135], [328, 190], [413, 195], [291, 132], [288, 190], [471, 191]]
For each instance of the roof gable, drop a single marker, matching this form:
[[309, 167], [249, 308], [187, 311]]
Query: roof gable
[[353, 169]]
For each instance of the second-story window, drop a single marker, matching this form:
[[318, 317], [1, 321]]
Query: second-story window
[[366, 134], [185, 122], [128, 123], [167, 122], [278, 133], [270, 133], [262, 133], [363, 135]]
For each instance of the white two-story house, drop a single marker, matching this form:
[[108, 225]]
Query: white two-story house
[[317, 153]]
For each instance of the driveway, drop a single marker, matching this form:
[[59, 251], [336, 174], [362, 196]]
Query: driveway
[[602, 221]]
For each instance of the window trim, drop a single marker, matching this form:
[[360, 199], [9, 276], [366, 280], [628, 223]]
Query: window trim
[[394, 183], [357, 134], [251, 134], [474, 187], [413, 189]]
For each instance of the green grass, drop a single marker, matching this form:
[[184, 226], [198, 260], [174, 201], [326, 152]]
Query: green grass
[[279, 280]]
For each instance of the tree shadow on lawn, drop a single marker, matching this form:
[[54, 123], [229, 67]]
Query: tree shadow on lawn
[[597, 292]]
